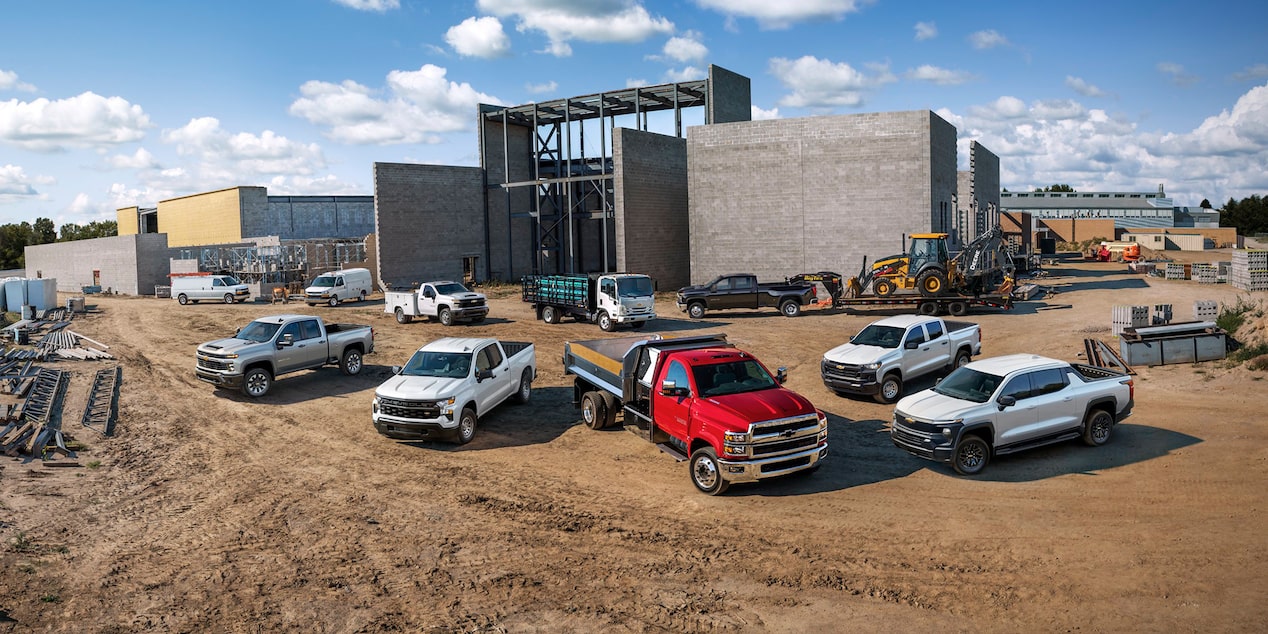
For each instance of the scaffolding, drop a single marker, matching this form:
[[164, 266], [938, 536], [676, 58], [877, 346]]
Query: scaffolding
[[286, 263]]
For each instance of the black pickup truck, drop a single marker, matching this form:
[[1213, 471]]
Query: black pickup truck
[[744, 291]]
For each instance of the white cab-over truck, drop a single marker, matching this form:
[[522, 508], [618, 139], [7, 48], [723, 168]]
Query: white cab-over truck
[[448, 302], [279, 344], [449, 384], [607, 299], [893, 350], [998, 406]]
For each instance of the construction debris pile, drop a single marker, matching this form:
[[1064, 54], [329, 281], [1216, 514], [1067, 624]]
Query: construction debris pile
[[56, 340]]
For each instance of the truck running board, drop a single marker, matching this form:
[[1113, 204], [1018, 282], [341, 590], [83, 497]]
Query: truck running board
[[672, 450], [1047, 440]]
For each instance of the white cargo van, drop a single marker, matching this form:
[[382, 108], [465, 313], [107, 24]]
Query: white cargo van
[[188, 288], [339, 286]]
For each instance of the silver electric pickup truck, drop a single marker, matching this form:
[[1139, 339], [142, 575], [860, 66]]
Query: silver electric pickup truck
[[278, 344]]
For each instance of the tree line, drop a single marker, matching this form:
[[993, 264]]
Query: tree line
[[15, 237], [1249, 215]]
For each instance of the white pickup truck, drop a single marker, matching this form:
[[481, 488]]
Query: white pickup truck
[[888, 352], [448, 302], [448, 384], [1007, 404]]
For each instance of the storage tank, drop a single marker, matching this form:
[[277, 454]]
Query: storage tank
[[14, 295], [42, 293]]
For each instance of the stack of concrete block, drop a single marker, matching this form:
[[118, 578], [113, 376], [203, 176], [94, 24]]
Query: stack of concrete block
[[1206, 310], [1249, 271], [1162, 315], [1175, 271], [1205, 273], [1223, 268], [1130, 317]]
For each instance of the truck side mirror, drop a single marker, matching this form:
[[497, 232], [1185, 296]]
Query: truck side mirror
[[484, 374], [781, 375], [670, 388], [911, 345], [1006, 401], [396, 369], [286, 341]]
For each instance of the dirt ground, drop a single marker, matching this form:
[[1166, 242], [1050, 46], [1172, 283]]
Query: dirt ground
[[212, 512]]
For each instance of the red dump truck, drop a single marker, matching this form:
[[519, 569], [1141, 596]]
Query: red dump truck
[[699, 399]]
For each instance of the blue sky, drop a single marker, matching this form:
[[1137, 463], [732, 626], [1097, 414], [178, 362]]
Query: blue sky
[[106, 105]]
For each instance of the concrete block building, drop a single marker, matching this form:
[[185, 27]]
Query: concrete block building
[[129, 264], [431, 222]]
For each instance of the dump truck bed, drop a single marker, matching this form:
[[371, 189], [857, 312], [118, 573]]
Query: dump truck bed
[[600, 360]]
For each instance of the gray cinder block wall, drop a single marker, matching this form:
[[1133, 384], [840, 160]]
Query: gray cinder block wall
[[985, 183], [788, 196], [310, 217], [132, 264], [428, 218], [651, 206], [510, 227]]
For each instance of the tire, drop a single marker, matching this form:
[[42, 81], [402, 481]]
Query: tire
[[334, 301], [228, 298], [958, 309], [466, 427], [446, 317], [525, 390], [706, 473], [891, 389], [962, 359], [883, 288], [695, 310], [605, 322], [928, 309], [593, 412], [182, 299], [401, 317], [1097, 428], [361, 298], [971, 455], [551, 315], [790, 308], [932, 283], [257, 382], [609, 404], [352, 362]]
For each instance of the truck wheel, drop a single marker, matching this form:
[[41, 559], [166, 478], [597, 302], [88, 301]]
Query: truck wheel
[[466, 426], [612, 409], [446, 317], [526, 386], [927, 309], [593, 411], [256, 383], [350, 364], [883, 288], [790, 308], [932, 283], [695, 310], [971, 455], [182, 299], [958, 309], [891, 389], [605, 322], [401, 317], [550, 314], [961, 359], [334, 301], [362, 297], [706, 473], [228, 298], [1096, 429]]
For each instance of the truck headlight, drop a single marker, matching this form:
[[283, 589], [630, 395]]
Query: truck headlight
[[870, 366], [735, 436], [374, 405], [734, 450]]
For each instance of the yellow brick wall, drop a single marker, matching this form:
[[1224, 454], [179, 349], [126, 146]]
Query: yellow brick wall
[[127, 220], [210, 218]]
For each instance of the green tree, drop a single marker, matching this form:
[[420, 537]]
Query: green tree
[[94, 229], [1206, 204], [43, 231], [13, 241], [1056, 188], [1248, 215]]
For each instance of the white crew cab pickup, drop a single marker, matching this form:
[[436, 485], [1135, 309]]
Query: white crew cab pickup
[[448, 302], [444, 389], [1007, 404], [888, 352]]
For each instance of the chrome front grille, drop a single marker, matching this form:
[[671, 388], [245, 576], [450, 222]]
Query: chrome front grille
[[213, 364], [409, 409]]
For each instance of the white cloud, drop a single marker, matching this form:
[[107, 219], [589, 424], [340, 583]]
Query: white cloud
[[822, 84], [1251, 73], [762, 115], [538, 89], [926, 31], [624, 21], [370, 5], [9, 81], [1001, 109], [141, 159], [686, 48], [1242, 131], [690, 73], [773, 14], [15, 184], [1177, 74], [633, 82], [87, 120], [940, 76], [417, 107], [1077, 84], [479, 37], [80, 205], [987, 39]]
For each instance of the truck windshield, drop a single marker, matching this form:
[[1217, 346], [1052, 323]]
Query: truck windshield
[[968, 385], [634, 286], [449, 365], [451, 288], [258, 331], [229, 280], [731, 378], [325, 281], [881, 336]]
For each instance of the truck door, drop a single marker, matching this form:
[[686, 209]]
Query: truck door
[[1016, 423], [492, 390], [673, 413], [427, 300], [919, 354], [939, 344], [607, 298], [288, 357], [744, 292], [1055, 409]]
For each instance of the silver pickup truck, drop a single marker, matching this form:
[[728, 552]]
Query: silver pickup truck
[[894, 350], [1007, 404], [278, 344]]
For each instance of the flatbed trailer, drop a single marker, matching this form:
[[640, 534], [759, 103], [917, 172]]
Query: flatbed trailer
[[956, 305]]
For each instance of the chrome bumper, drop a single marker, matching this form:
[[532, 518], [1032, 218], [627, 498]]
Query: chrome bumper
[[754, 470]]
